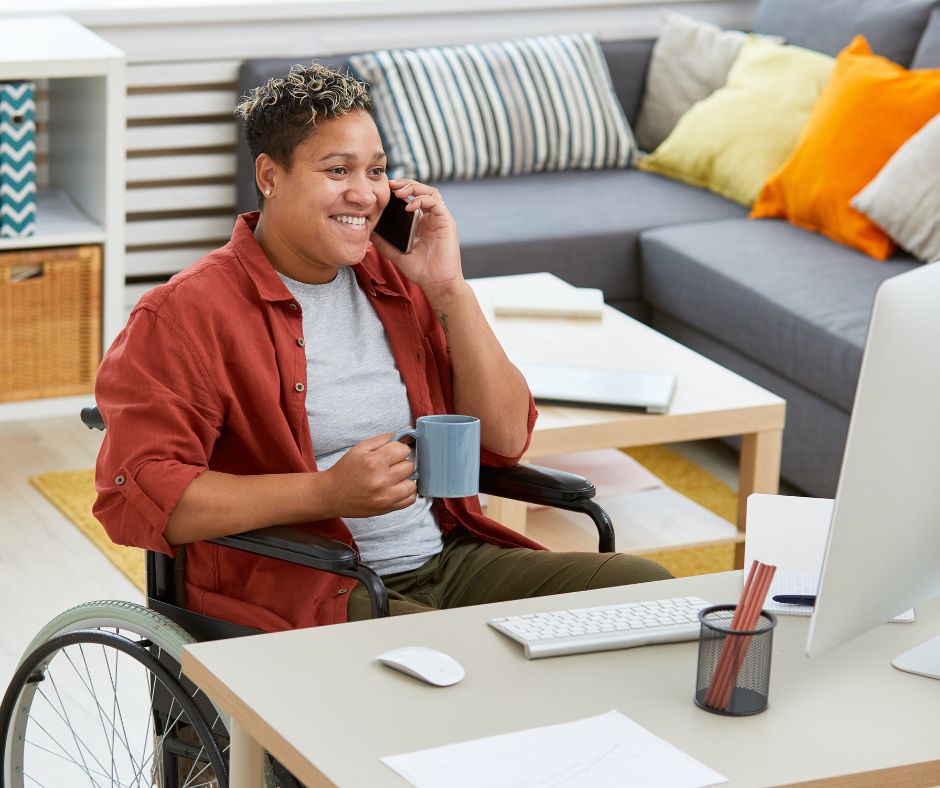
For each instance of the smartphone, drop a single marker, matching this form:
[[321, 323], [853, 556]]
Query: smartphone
[[397, 226]]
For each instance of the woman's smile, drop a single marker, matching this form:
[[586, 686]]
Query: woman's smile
[[352, 221]]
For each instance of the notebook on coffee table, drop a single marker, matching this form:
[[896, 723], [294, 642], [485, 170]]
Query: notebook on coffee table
[[605, 389]]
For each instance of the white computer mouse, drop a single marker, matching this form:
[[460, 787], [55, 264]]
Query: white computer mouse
[[425, 664]]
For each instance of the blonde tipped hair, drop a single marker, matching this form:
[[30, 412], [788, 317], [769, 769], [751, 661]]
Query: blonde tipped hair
[[283, 112]]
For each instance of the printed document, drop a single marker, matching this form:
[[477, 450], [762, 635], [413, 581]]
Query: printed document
[[607, 751], [796, 584]]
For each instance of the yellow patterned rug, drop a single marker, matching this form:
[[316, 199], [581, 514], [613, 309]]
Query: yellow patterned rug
[[73, 492]]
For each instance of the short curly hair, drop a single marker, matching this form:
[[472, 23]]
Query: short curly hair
[[282, 113]]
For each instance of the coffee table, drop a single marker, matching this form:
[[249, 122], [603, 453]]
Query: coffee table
[[710, 401]]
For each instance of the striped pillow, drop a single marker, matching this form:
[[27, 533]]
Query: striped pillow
[[534, 105]]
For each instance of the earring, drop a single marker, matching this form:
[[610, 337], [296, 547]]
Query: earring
[[267, 192]]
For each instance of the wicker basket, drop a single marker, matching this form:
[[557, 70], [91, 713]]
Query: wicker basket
[[50, 322]]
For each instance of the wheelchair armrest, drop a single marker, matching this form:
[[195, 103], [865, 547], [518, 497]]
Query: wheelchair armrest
[[91, 418], [535, 484], [295, 547], [550, 487], [313, 551]]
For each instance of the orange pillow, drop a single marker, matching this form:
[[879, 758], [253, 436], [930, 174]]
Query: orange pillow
[[869, 109]]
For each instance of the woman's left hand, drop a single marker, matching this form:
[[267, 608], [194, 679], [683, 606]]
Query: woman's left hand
[[434, 261]]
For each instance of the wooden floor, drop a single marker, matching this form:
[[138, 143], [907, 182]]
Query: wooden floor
[[46, 564]]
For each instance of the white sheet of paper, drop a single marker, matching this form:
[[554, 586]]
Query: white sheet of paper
[[607, 751], [796, 584]]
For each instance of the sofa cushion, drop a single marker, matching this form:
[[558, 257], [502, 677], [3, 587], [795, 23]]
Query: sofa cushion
[[580, 226], [733, 140], [892, 27], [690, 61], [928, 50], [539, 104], [793, 300]]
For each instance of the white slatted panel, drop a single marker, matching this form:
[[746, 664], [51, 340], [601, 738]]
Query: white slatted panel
[[181, 135], [181, 104], [169, 168], [180, 198], [191, 164], [161, 262], [181, 231], [213, 72]]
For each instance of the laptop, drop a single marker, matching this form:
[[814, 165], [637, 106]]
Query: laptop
[[604, 389]]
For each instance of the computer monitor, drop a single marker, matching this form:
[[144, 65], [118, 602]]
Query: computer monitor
[[883, 552]]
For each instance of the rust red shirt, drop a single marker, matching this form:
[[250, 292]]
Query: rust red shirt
[[207, 374]]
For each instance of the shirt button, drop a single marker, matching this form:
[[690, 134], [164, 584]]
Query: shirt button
[[299, 386], [300, 341], [119, 480], [341, 591], [293, 305]]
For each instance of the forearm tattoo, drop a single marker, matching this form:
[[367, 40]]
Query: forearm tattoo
[[442, 318]]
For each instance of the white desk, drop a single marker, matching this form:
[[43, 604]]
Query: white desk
[[319, 701]]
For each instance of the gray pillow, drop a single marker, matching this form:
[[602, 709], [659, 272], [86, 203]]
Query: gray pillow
[[904, 198], [893, 27], [928, 50]]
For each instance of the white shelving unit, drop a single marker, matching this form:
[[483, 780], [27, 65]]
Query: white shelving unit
[[84, 203]]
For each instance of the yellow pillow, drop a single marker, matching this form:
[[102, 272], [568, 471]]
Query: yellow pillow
[[733, 140]]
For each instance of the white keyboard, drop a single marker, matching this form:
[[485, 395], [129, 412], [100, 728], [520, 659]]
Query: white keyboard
[[604, 628]]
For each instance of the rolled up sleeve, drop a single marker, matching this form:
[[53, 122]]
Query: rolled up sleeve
[[163, 417], [493, 459]]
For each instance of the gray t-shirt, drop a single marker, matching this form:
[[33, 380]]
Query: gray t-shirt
[[354, 392]]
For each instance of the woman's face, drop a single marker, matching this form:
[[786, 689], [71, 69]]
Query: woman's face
[[324, 208]]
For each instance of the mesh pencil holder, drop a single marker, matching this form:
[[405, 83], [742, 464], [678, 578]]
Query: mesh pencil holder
[[733, 667]]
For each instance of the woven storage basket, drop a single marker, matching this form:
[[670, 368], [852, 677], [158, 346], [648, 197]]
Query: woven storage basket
[[50, 322]]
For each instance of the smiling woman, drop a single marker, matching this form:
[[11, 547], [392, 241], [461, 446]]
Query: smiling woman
[[262, 385]]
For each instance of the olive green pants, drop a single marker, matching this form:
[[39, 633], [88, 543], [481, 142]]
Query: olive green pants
[[469, 571]]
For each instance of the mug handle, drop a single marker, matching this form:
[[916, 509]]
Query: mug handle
[[413, 434]]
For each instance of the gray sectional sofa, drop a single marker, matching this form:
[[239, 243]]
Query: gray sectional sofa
[[781, 306]]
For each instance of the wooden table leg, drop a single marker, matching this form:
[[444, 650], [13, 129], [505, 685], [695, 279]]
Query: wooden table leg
[[507, 512], [759, 473], [246, 759]]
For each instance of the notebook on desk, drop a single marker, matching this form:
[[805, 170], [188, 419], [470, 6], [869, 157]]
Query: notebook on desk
[[605, 389]]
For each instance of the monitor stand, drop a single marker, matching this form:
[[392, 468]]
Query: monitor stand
[[923, 660]]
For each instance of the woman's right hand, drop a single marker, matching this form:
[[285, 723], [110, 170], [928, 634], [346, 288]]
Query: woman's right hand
[[370, 479]]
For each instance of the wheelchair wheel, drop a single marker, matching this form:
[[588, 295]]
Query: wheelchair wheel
[[99, 706], [174, 755]]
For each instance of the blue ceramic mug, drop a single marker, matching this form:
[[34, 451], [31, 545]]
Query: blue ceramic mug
[[448, 455]]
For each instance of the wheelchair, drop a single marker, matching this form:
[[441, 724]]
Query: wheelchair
[[99, 697]]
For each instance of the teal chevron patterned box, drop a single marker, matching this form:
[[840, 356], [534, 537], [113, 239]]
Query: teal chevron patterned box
[[17, 159]]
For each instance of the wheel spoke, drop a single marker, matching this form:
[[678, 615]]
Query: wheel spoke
[[102, 714], [116, 712], [78, 740], [70, 760], [68, 722], [160, 748]]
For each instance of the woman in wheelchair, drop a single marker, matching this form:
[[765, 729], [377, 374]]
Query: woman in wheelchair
[[261, 387]]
